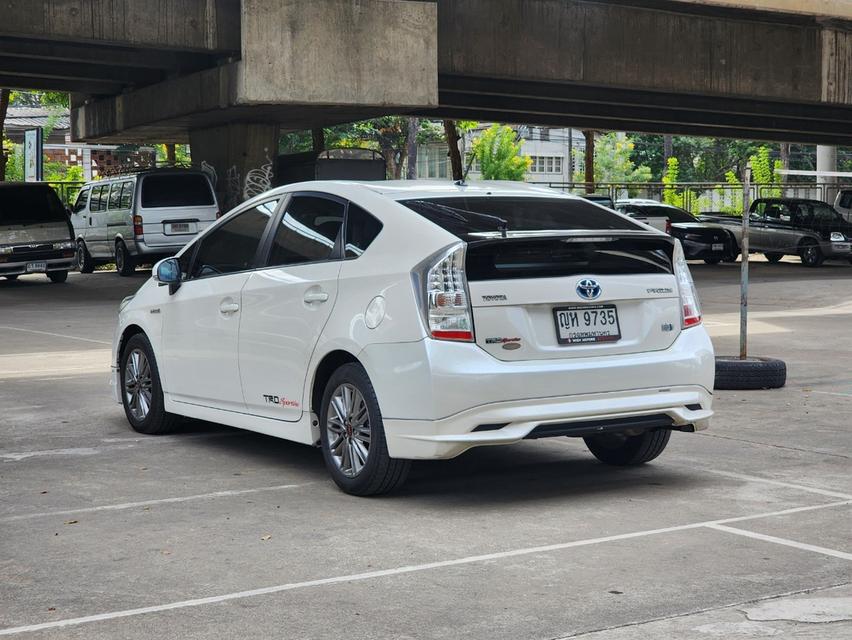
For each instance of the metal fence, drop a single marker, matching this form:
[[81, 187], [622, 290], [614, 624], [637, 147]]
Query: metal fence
[[67, 191], [703, 197]]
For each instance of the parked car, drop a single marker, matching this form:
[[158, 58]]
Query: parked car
[[393, 321], [35, 234], [600, 199], [810, 229], [701, 240], [843, 204], [136, 219]]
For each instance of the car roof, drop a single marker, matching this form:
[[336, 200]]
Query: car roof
[[640, 201], [793, 200]]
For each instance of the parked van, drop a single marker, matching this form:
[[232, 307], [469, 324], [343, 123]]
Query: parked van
[[843, 204], [35, 234], [141, 218]]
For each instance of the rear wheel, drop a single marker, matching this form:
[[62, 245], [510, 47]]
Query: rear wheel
[[57, 276], [353, 437], [623, 450], [12, 278], [811, 254], [84, 260], [774, 257], [712, 260], [141, 392], [124, 262]]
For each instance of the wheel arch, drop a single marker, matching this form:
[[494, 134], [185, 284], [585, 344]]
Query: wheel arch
[[323, 372], [129, 331]]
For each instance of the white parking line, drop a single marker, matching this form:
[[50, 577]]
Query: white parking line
[[778, 483], [147, 503], [197, 602], [56, 335], [783, 541]]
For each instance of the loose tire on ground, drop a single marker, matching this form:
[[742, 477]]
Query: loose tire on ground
[[157, 421], [381, 473], [124, 262], [753, 373], [84, 260], [623, 450], [57, 276]]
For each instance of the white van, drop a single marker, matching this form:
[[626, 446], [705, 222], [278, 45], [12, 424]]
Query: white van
[[843, 204], [141, 218], [35, 235]]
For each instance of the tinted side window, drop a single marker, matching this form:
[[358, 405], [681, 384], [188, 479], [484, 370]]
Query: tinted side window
[[99, 197], [308, 231], [82, 200], [232, 246], [846, 200], [115, 196], [126, 195], [361, 230]]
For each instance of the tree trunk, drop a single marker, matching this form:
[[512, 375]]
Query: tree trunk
[[4, 105], [318, 139], [453, 144], [590, 161], [668, 150], [171, 156], [785, 160], [413, 128]]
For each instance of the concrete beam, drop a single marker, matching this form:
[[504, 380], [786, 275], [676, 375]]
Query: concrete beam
[[202, 25], [823, 8]]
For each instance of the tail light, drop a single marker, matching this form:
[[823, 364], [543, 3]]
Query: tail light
[[443, 288], [137, 225], [690, 307], [668, 226]]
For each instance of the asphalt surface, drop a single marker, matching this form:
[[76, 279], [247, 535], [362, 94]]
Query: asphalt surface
[[741, 531]]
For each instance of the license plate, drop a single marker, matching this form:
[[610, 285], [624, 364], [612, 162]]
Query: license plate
[[587, 324], [842, 247], [36, 267], [718, 247], [177, 227]]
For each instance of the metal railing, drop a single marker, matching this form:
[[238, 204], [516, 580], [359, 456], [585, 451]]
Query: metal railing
[[67, 191]]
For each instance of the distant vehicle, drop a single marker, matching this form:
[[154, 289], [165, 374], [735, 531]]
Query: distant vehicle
[[810, 229], [600, 199], [35, 234], [141, 218], [843, 204], [701, 240], [391, 321]]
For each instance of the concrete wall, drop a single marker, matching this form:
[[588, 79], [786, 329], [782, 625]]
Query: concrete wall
[[367, 52], [178, 24]]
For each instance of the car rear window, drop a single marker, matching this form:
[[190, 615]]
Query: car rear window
[[186, 190], [672, 213], [30, 204], [467, 215]]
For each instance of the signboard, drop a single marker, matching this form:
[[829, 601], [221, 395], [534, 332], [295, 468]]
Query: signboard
[[33, 155]]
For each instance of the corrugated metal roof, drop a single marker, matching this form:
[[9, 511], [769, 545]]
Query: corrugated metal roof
[[29, 117]]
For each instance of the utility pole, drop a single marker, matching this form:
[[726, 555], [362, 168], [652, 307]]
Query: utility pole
[[744, 266], [590, 160], [453, 145], [413, 128]]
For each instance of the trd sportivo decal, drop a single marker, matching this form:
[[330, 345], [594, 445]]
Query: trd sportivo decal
[[510, 344], [281, 401]]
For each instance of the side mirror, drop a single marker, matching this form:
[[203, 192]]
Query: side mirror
[[167, 272]]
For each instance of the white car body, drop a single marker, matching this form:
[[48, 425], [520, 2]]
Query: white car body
[[227, 344]]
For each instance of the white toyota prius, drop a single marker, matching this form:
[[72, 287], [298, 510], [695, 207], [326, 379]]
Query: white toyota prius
[[392, 321]]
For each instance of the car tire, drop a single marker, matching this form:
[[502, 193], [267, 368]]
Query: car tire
[[11, 278], [125, 265], [84, 259], [773, 257], [624, 451], [57, 277], [811, 254], [140, 386], [712, 260], [343, 438], [751, 373]]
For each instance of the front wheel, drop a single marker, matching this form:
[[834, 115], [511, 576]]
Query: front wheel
[[353, 436], [57, 276], [811, 254], [124, 262], [141, 391], [623, 450]]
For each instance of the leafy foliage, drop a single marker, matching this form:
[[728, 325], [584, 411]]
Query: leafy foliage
[[498, 151]]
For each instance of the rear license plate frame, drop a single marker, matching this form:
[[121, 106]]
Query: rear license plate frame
[[569, 341], [36, 267]]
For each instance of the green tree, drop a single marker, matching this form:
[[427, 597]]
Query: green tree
[[57, 99], [614, 162], [498, 151]]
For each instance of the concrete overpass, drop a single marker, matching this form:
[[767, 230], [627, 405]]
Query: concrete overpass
[[227, 74]]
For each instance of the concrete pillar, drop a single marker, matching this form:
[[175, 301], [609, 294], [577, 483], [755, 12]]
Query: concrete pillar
[[827, 161], [241, 154]]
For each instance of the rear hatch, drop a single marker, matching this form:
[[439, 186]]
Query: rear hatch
[[175, 207], [574, 296], [561, 277]]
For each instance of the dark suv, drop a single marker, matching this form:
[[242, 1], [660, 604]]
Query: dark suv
[[810, 229]]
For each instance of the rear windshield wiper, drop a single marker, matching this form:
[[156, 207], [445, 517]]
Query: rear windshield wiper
[[462, 215]]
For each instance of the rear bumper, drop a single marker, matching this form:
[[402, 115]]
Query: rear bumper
[[430, 390]]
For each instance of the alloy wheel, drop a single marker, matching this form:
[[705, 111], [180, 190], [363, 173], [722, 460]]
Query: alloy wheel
[[348, 430], [137, 384]]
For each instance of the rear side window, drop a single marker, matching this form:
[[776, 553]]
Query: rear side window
[[308, 231], [488, 214], [846, 200], [361, 230], [99, 198], [126, 195], [30, 204], [176, 190], [115, 196], [232, 246]]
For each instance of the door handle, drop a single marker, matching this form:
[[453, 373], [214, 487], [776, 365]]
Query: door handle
[[316, 296], [229, 307]]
